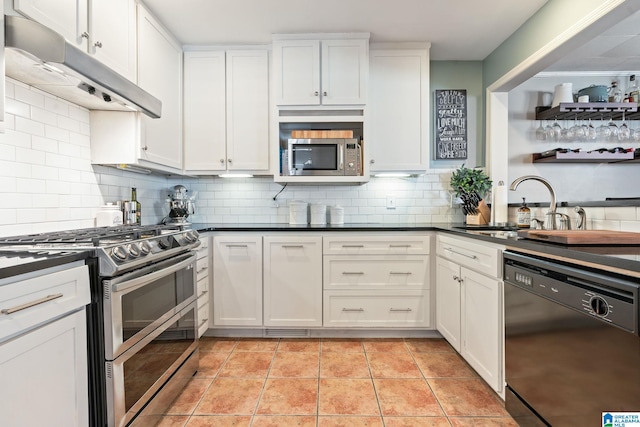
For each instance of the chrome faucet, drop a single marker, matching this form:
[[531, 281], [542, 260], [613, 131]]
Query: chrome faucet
[[551, 215], [581, 223]]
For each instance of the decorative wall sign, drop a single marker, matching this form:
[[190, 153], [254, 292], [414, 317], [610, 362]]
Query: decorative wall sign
[[451, 124]]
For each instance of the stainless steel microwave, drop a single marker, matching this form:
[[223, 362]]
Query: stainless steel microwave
[[322, 157]]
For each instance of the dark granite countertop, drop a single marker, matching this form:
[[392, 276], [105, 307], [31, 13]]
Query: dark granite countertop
[[16, 262], [626, 257]]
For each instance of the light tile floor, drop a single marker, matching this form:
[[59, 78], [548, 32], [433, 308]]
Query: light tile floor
[[335, 382]]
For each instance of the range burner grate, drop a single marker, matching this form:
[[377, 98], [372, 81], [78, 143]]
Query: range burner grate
[[92, 236]]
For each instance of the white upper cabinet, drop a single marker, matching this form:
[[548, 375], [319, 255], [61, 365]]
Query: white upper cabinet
[[327, 71], [399, 110], [106, 29], [204, 112], [160, 74], [226, 121], [134, 139]]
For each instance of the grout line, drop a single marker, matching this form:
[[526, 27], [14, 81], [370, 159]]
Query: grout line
[[264, 385]]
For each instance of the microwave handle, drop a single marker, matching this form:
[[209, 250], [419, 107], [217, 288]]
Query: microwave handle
[[341, 159]]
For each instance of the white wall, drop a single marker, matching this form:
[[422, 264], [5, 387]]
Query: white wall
[[572, 182], [47, 181], [420, 199]]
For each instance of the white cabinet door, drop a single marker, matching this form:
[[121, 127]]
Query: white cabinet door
[[160, 73], [112, 26], [344, 71], [204, 111], [292, 281], [481, 320], [297, 72], [448, 301], [237, 280], [66, 17], [321, 72], [248, 110], [398, 108], [44, 375]]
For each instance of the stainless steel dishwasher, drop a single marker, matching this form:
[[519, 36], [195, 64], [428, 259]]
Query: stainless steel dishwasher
[[572, 349]]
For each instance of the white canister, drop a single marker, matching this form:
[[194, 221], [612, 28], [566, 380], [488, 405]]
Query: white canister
[[109, 215], [563, 93], [337, 215], [318, 214], [298, 213]]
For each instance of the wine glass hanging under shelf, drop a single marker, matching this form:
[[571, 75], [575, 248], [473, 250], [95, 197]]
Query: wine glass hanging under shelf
[[589, 110]]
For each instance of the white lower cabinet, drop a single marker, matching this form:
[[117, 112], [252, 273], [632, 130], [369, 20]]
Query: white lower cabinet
[[448, 301], [203, 280], [43, 348], [469, 304], [376, 281], [237, 280], [293, 281], [376, 309]]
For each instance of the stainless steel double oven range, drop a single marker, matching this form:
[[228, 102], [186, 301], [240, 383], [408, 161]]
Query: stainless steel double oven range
[[142, 320]]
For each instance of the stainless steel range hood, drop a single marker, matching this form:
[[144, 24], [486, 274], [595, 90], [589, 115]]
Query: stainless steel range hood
[[42, 58]]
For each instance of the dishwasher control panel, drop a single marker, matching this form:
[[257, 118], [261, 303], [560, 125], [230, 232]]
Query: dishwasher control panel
[[607, 297]]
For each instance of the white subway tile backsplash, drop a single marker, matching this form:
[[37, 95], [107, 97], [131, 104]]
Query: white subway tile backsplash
[[57, 133], [7, 152], [17, 108], [31, 185], [46, 144], [43, 116], [620, 213], [69, 124], [27, 155], [56, 106], [29, 95], [29, 126]]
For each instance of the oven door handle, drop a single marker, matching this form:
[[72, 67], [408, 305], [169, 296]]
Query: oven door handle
[[144, 278]]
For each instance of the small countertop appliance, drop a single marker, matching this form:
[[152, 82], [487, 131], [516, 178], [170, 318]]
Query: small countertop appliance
[[180, 206]]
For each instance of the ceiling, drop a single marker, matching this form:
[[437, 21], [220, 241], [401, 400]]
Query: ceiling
[[457, 29], [614, 50]]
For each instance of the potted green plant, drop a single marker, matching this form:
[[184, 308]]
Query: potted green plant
[[472, 185]]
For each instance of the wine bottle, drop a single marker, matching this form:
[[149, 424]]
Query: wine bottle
[[138, 206]]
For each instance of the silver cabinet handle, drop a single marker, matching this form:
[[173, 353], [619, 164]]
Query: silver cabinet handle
[[30, 304], [460, 253], [236, 246], [202, 269], [98, 44], [399, 246], [229, 160], [293, 246], [406, 273], [353, 309], [353, 246], [204, 321], [206, 291], [316, 93], [222, 161], [400, 309], [85, 35], [353, 273], [324, 93]]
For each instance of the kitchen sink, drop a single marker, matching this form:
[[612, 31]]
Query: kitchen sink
[[487, 227]]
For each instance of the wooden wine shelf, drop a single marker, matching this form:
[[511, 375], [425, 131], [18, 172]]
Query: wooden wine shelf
[[589, 110], [595, 157]]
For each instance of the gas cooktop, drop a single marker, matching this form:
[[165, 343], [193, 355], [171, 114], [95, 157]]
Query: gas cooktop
[[118, 248]]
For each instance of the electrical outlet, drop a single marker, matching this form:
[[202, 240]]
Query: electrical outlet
[[391, 202]]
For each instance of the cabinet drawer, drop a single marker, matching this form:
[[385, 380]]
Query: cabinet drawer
[[202, 288], [376, 272], [376, 245], [203, 317], [376, 309], [483, 258], [203, 250], [30, 302], [202, 268]]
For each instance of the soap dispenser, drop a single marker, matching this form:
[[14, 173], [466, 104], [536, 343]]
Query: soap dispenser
[[524, 215]]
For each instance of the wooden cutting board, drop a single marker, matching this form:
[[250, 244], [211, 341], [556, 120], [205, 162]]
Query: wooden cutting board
[[321, 134], [583, 237]]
